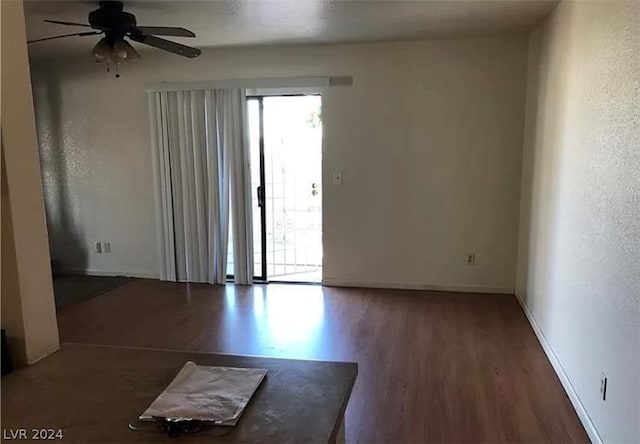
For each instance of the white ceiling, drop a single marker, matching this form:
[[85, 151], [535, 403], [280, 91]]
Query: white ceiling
[[220, 23]]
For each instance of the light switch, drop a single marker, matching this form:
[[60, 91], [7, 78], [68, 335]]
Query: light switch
[[337, 178]]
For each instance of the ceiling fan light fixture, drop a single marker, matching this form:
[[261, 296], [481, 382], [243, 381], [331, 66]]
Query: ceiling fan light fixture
[[124, 52], [103, 50]]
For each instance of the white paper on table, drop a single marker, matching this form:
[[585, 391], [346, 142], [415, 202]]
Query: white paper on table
[[217, 394]]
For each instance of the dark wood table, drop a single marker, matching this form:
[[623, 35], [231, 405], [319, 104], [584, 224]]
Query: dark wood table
[[92, 393]]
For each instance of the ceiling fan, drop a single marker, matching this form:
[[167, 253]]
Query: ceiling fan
[[110, 19]]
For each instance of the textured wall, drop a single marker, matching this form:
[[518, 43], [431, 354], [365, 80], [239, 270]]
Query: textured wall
[[428, 139], [579, 246]]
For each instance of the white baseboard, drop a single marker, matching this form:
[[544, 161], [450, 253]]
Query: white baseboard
[[92, 272], [562, 375], [337, 282]]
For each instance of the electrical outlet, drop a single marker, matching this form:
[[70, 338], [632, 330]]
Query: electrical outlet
[[98, 247], [106, 247], [603, 387], [471, 259]]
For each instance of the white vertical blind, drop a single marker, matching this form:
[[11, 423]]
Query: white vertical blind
[[200, 156]]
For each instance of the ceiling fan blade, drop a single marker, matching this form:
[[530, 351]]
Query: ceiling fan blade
[[58, 22], [163, 30], [79, 34], [166, 45], [68, 23]]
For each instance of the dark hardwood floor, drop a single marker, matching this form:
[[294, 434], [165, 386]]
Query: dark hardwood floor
[[434, 367]]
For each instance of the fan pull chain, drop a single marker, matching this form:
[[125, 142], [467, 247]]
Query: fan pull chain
[[117, 76]]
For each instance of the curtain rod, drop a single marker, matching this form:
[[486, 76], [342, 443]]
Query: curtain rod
[[261, 83]]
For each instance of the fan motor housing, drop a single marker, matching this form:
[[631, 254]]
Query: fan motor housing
[[110, 15]]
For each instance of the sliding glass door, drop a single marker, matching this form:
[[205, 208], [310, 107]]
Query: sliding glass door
[[285, 141], [293, 157]]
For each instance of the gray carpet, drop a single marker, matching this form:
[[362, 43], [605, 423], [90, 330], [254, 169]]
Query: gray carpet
[[72, 290]]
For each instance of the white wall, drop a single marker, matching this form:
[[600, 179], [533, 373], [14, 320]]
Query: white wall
[[579, 246], [428, 139]]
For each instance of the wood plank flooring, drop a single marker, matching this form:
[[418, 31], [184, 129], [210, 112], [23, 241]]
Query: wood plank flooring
[[433, 366]]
